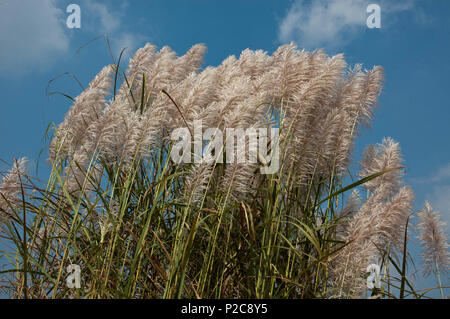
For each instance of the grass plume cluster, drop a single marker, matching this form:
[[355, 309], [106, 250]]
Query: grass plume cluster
[[142, 226]]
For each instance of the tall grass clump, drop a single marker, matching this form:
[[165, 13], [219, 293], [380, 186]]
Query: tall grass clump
[[140, 225]]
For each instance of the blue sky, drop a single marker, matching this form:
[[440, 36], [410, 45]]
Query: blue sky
[[412, 45]]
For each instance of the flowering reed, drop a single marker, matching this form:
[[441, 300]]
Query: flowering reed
[[436, 255], [141, 225]]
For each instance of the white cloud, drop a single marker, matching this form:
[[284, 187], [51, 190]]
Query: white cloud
[[442, 174], [106, 21], [107, 18], [32, 34], [331, 23], [130, 41]]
